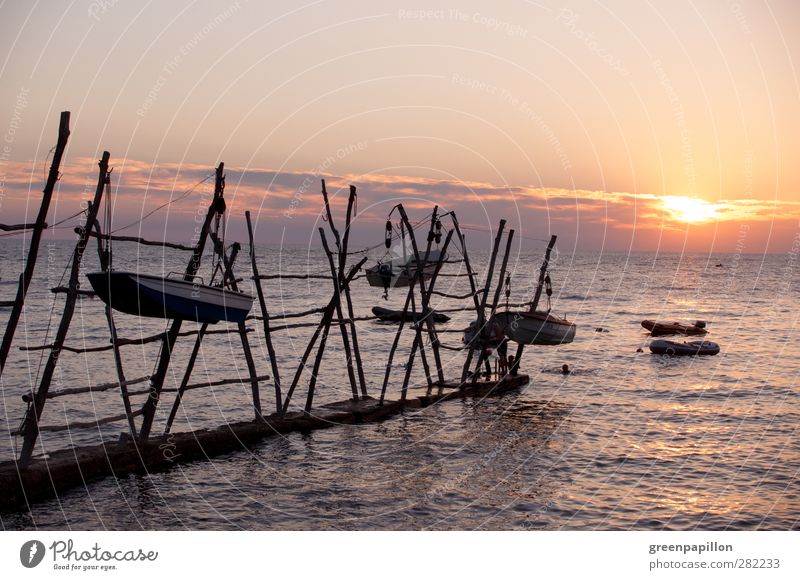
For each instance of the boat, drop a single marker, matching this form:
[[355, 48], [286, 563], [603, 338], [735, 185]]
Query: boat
[[397, 272], [666, 328], [542, 328], [693, 348], [165, 297], [387, 315]]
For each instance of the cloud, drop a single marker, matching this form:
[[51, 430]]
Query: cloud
[[290, 200]]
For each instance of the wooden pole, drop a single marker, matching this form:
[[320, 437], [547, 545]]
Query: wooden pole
[[419, 274], [394, 347], [345, 338], [227, 262], [168, 343], [326, 320], [348, 300], [498, 290], [481, 308], [427, 310], [409, 300], [34, 413], [336, 280], [325, 331], [105, 265], [470, 272], [186, 376], [341, 246], [537, 296], [265, 314], [36, 237]]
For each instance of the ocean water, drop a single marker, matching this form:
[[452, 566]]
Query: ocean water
[[628, 440]]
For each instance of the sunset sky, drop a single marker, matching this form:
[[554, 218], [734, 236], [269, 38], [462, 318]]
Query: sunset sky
[[619, 125]]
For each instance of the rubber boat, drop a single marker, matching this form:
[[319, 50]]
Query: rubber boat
[[397, 272], [693, 348], [387, 315], [174, 298], [666, 328], [537, 327]]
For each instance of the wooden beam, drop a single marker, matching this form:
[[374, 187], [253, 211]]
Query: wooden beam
[[265, 316], [141, 241]]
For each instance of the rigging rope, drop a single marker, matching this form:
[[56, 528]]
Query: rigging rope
[[184, 195]]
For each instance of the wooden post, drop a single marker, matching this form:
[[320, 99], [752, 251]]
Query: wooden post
[[425, 299], [345, 339], [496, 299], [419, 273], [481, 314], [265, 314], [168, 343], [34, 413], [36, 237], [470, 272], [427, 318], [348, 300], [227, 263], [326, 320], [312, 383], [341, 246], [394, 347], [186, 376], [105, 266], [542, 273], [336, 279], [429, 313]]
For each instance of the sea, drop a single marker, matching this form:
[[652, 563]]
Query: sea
[[628, 440]]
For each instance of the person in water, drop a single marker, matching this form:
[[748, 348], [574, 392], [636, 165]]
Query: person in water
[[565, 369]]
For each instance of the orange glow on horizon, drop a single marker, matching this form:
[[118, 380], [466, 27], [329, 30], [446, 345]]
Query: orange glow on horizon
[[689, 209]]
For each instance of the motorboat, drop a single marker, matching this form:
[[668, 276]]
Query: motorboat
[[542, 328], [666, 328], [692, 348], [166, 297], [397, 272]]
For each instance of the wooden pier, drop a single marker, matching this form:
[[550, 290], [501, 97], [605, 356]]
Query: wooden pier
[[66, 469], [141, 449]]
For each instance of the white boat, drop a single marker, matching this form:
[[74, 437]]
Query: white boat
[[397, 272], [536, 328], [175, 298]]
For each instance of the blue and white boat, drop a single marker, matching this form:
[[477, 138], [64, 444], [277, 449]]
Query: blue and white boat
[[174, 298]]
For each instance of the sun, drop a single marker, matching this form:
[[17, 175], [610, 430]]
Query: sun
[[689, 209]]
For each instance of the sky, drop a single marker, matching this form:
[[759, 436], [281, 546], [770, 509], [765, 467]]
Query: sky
[[621, 126]]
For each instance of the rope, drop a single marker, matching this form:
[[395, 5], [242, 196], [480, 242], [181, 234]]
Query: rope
[[184, 195], [415, 226]]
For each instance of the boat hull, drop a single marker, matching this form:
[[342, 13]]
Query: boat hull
[[668, 328], [693, 348], [540, 328], [157, 297], [387, 315]]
